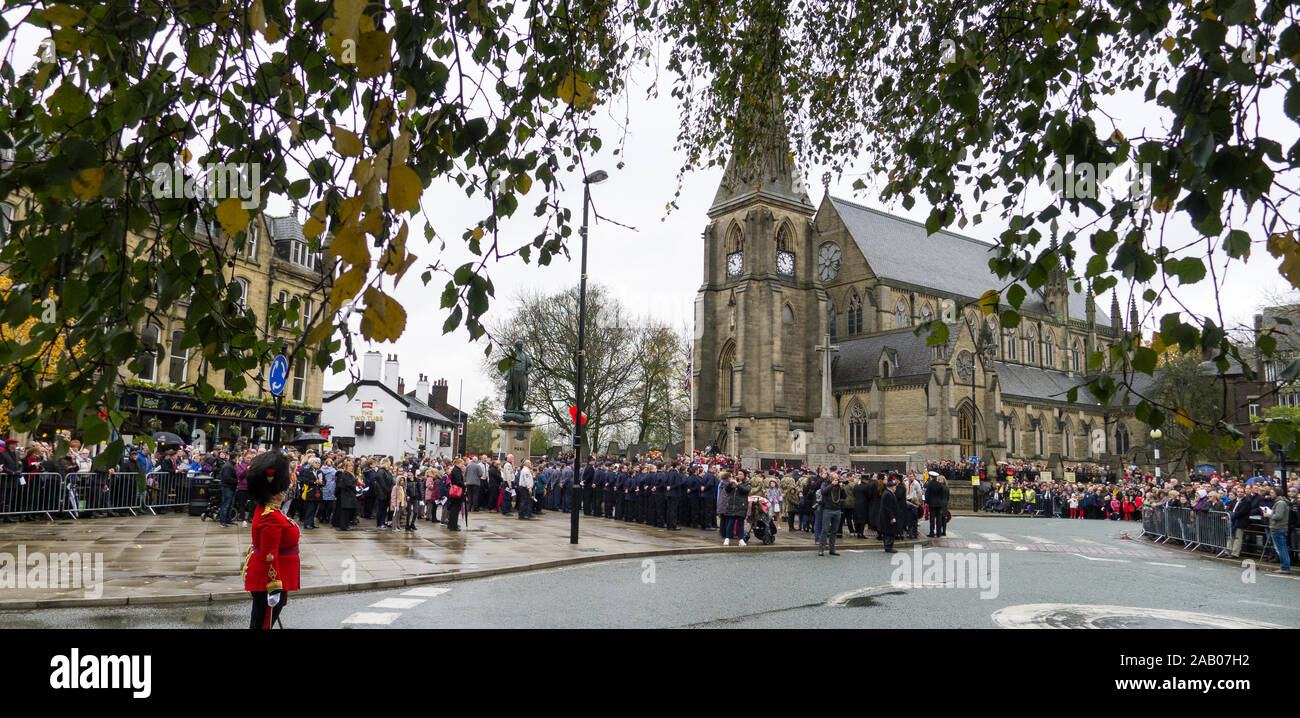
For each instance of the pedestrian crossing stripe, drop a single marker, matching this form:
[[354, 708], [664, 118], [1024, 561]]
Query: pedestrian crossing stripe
[[426, 591], [398, 603], [996, 537], [1171, 565], [370, 619], [1087, 541]]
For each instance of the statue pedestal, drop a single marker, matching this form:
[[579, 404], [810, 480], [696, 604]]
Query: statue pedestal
[[828, 447], [516, 438]]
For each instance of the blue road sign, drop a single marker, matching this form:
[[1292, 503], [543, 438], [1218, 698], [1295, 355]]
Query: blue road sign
[[279, 374]]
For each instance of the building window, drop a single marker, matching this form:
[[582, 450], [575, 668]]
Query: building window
[[305, 306], [1011, 436], [1270, 371], [1031, 348], [1011, 345], [927, 314], [830, 316], [1065, 441], [300, 379], [901, 316], [1048, 358], [857, 425], [300, 254], [284, 307], [1255, 444], [6, 221], [1075, 355], [242, 300], [1252, 409], [1041, 439], [855, 314], [249, 251], [1121, 439], [151, 356], [180, 358]]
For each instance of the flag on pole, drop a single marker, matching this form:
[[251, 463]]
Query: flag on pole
[[689, 354]]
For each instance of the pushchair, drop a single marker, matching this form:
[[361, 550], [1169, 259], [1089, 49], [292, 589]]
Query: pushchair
[[213, 509], [761, 525]]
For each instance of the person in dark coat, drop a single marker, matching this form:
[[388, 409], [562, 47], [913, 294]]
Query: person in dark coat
[[936, 497], [457, 477], [345, 492], [890, 517], [861, 504], [875, 489]]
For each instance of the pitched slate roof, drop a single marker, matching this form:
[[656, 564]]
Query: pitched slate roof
[[1029, 382], [419, 408], [858, 360], [899, 249]]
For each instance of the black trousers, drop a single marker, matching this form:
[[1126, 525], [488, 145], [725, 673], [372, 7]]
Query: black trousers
[[343, 517], [670, 511], [609, 504], [661, 509], [937, 525], [259, 608], [381, 513], [453, 512], [473, 494]]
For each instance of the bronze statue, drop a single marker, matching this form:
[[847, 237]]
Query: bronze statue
[[517, 386]]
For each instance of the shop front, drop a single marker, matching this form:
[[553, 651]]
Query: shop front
[[227, 422]]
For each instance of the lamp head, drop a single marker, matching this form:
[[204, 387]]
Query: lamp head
[[1155, 434], [596, 177]]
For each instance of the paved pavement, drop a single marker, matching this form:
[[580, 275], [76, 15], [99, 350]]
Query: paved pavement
[[178, 558], [1047, 573]]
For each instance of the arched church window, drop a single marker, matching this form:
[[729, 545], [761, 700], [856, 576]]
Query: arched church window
[[902, 317], [927, 314], [1011, 345], [857, 425], [784, 252], [735, 252], [1013, 427], [1075, 356], [1042, 439], [830, 316], [1048, 354], [855, 313], [1031, 346], [1121, 439]]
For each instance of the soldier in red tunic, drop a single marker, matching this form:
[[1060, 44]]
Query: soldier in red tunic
[[271, 568]]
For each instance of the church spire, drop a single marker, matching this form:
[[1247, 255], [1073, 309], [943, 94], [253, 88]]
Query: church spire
[[1133, 314], [1116, 320], [766, 168]]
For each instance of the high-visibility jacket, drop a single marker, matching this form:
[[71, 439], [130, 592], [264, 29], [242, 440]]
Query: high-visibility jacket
[[1029, 496], [1016, 495]]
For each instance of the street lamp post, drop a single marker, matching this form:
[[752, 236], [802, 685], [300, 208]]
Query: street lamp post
[[594, 178], [1155, 437]]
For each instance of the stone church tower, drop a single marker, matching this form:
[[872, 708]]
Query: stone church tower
[[760, 310]]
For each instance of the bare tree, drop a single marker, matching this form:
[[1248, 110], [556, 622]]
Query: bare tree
[[548, 327]]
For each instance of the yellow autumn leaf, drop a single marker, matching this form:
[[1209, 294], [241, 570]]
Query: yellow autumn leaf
[[363, 170], [523, 183], [186, 156], [64, 15], [988, 302], [319, 334], [1163, 204], [1183, 419], [257, 16], [401, 147], [404, 189], [396, 252], [86, 183], [477, 234], [575, 91], [1169, 44], [1117, 136], [380, 119], [346, 141], [312, 228], [232, 216], [350, 210], [374, 54], [68, 40], [347, 20], [346, 286], [350, 245], [371, 195], [373, 223], [1157, 343], [384, 318]]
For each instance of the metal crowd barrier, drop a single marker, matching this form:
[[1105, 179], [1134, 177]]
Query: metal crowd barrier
[[1210, 530], [51, 494]]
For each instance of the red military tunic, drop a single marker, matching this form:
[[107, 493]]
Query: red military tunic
[[274, 536]]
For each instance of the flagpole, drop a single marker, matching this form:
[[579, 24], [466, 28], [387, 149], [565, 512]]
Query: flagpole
[[690, 392]]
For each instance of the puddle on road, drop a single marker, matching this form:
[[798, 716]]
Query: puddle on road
[[866, 601]]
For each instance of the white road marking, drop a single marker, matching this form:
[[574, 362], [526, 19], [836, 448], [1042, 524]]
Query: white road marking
[[1036, 539], [1173, 565], [1060, 615], [371, 619], [1098, 558], [1270, 605], [426, 591], [399, 603], [975, 545], [995, 537], [1282, 575], [1022, 548], [1087, 541]]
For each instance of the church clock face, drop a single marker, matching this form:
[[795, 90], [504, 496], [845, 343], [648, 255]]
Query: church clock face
[[735, 264], [828, 261], [785, 263]]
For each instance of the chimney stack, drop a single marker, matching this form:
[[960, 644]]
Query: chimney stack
[[370, 366], [422, 389], [390, 373], [438, 394]]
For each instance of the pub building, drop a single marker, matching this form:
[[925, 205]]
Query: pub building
[[231, 421]]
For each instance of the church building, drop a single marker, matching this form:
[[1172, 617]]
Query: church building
[[781, 276]]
